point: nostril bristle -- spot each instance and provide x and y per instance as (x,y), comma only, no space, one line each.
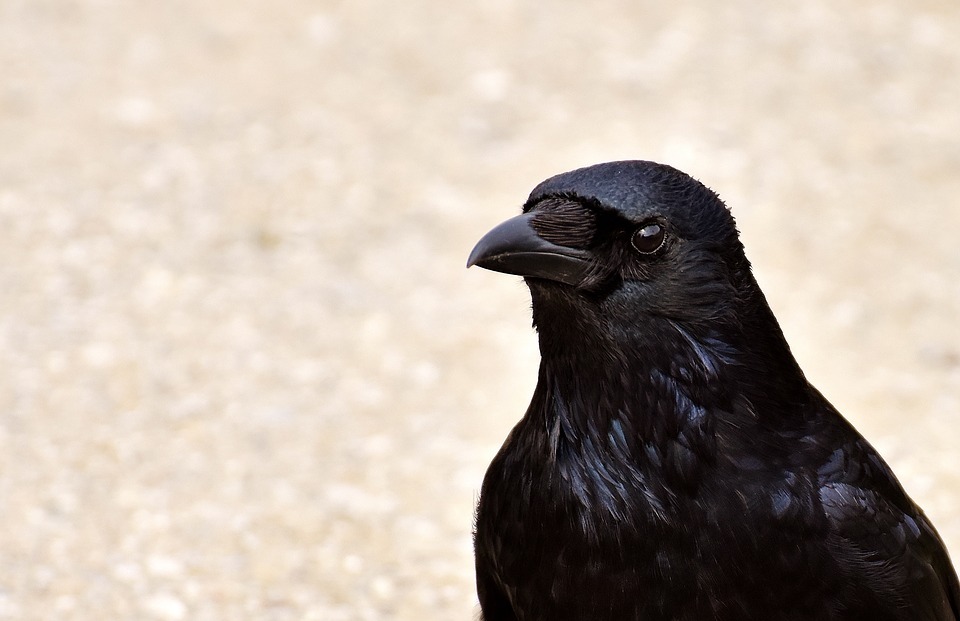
(565,222)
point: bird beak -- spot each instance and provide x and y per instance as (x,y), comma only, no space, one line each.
(514,247)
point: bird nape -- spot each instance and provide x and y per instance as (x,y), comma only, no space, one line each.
(674,463)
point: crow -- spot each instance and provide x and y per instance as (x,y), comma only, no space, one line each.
(674,462)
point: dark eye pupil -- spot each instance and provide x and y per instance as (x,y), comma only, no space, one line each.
(648,239)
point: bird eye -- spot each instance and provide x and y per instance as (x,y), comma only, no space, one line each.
(648,239)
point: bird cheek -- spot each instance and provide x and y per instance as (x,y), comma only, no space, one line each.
(600,282)
(637,271)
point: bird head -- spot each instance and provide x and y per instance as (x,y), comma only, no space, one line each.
(619,247)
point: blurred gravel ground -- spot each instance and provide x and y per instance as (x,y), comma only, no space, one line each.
(245,375)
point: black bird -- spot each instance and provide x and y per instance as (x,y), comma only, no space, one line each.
(674,463)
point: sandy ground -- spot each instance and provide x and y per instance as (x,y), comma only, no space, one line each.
(244,372)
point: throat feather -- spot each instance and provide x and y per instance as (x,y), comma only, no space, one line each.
(629,455)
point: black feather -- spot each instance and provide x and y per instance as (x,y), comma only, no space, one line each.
(674,463)
(565,222)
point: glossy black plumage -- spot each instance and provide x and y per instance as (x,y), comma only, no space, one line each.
(674,463)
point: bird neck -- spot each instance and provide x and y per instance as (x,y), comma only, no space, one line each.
(611,444)
(654,398)
(653,385)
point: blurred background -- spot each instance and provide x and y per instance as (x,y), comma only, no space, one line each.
(245,374)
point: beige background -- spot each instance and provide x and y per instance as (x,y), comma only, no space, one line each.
(244,373)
